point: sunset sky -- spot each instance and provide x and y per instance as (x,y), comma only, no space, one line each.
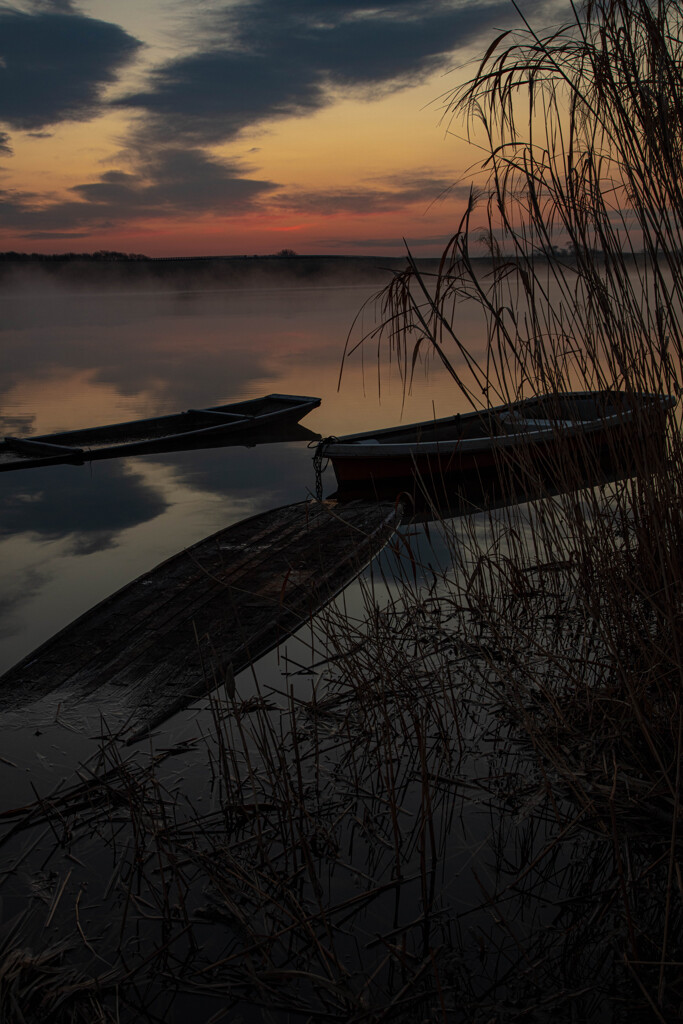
(210,127)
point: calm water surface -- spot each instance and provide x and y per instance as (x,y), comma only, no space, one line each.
(71,535)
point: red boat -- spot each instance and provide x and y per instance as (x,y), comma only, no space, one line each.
(482,442)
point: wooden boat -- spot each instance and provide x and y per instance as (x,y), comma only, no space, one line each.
(442,451)
(248,422)
(186,627)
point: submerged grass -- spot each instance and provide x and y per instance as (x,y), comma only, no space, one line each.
(582,290)
(465,804)
(415,826)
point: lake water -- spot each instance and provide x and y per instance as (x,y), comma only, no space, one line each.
(71,358)
(69,536)
(72,535)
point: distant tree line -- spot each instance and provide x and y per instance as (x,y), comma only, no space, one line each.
(102,255)
(105,256)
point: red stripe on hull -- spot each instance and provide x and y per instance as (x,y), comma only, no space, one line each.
(363,468)
(403,467)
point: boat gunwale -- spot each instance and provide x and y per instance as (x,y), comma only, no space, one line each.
(242,422)
(361,446)
(292,402)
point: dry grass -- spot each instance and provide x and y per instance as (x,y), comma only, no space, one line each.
(465,805)
(379,840)
(582,602)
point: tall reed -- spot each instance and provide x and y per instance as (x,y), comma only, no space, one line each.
(577,272)
(465,805)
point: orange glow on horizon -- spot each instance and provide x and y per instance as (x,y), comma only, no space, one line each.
(353,155)
(334,234)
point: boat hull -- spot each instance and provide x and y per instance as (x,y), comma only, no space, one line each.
(382,462)
(187,626)
(260,420)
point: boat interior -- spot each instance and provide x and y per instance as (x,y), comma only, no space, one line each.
(160,427)
(546,411)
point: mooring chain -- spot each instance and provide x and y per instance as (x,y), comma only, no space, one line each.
(318,457)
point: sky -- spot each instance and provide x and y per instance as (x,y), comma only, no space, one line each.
(237,127)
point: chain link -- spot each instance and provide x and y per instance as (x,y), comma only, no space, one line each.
(318,458)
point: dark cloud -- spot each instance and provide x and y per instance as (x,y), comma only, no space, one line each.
(253,62)
(276,60)
(20,590)
(391,242)
(175,178)
(397,191)
(169,181)
(210,97)
(27,214)
(4,143)
(37,236)
(187,180)
(69,505)
(53,64)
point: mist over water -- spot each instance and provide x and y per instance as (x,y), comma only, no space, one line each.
(87,345)
(74,357)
